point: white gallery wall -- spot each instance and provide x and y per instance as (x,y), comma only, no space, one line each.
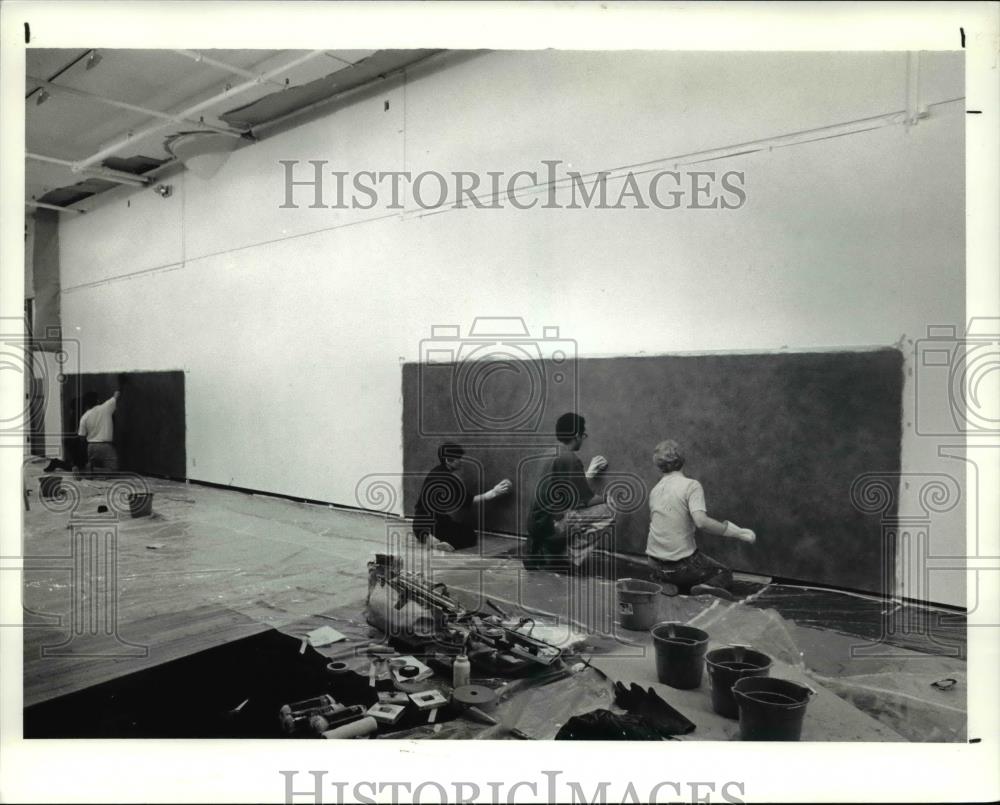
(291,324)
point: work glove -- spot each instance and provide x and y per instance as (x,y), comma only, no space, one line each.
(500,489)
(655,711)
(597,465)
(742,534)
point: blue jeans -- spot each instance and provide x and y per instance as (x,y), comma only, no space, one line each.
(698,568)
(102,455)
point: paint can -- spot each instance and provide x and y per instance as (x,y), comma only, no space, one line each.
(771,709)
(140,504)
(680,654)
(638,603)
(725,666)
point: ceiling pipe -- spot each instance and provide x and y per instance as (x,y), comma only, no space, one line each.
(44,206)
(121,177)
(229,68)
(133,137)
(142,110)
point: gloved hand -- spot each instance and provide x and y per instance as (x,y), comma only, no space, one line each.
(742,534)
(597,465)
(659,714)
(500,489)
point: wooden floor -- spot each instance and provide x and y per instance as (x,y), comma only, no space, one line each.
(82,663)
(210,565)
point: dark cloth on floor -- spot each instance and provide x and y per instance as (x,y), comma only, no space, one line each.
(603,725)
(443,496)
(563,487)
(698,568)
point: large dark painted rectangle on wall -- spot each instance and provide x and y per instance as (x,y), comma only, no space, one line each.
(776,440)
(149,421)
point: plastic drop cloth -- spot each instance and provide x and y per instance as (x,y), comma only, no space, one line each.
(919,706)
(762,629)
(903,695)
(538,711)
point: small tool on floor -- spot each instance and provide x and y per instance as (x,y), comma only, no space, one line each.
(320,724)
(474,700)
(235,711)
(361,728)
(386,713)
(429,700)
(296,716)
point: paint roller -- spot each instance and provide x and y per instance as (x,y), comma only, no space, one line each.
(361,728)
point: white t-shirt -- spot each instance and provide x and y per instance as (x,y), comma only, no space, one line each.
(671,526)
(97,425)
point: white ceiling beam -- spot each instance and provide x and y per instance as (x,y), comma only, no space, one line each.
(229,68)
(121,177)
(142,110)
(152,128)
(45,206)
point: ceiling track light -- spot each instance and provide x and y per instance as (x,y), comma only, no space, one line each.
(93,60)
(41,97)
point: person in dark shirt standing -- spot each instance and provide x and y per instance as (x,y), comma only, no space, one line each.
(563,490)
(444,495)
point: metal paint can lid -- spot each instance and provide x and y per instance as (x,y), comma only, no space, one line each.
(475,696)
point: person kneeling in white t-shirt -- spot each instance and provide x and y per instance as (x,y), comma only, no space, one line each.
(677,509)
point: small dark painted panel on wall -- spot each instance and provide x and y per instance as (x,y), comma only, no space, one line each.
(149,421)
(775,439)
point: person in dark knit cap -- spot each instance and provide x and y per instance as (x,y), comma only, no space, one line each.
(443,497)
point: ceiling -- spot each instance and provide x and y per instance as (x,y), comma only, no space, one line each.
(80,144)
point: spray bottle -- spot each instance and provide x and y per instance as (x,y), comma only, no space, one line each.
(461,668)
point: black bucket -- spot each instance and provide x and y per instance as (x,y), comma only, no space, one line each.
(50,487)
(771,709)
(680,654)
(725,666)
(140,504)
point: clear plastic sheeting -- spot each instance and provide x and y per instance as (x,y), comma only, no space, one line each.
(528,709)
(762,629)
(924,628)
(921,707)
(923,697)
